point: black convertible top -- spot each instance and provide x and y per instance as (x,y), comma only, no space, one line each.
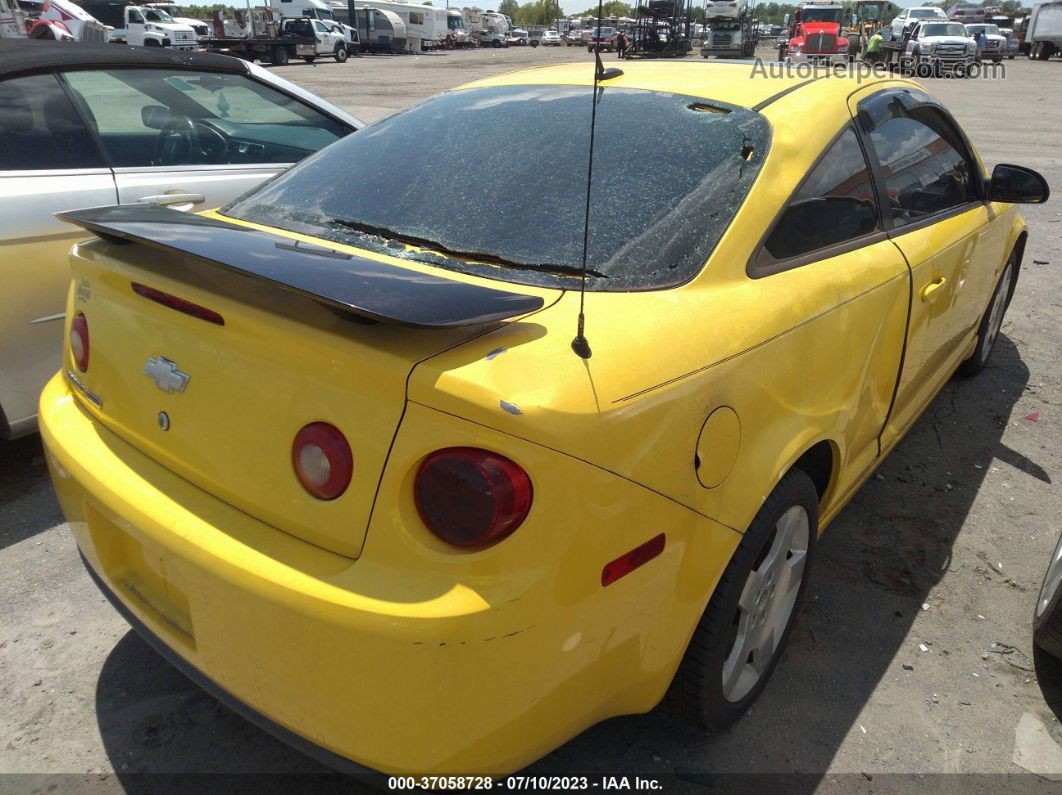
(26,55)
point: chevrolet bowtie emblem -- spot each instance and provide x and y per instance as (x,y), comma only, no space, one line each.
(165,374)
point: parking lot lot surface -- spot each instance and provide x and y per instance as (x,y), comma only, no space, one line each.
(913,653)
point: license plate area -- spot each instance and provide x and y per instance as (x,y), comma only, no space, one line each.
(139,572)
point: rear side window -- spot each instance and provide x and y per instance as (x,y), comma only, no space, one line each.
(497,176)
(926,165)
(834,205)
(40,128)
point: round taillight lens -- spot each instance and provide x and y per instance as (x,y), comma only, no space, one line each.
(79,341)
(471,497)
(322,460)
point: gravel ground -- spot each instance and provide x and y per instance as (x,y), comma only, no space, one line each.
(944,549)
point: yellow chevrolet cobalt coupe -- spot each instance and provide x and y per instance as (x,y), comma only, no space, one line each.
(332,451)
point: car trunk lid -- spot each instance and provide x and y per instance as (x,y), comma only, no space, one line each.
(217,396)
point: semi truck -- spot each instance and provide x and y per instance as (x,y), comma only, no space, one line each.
(1043,36)
(816,35)
(56,20)
(729,38)
(201,28)
(142,26)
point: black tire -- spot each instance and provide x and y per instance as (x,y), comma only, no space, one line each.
(986,340)
(153,43)
(280,56)
(1047,624)
(341,54)
(697,694)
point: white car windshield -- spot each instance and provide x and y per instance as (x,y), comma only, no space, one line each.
(944,30)
(156,15)
(990,30)
(925,13)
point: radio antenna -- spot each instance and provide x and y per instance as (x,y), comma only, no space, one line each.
(580,344)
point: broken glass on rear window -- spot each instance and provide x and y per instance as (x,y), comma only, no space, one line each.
(492,181)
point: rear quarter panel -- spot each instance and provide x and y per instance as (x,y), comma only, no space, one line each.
(803,356)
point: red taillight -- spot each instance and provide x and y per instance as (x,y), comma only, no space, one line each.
(470,497)
(628,562)
(322,460)
(180,304)
(79,341)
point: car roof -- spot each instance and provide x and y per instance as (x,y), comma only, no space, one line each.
(25,55)
(734,83)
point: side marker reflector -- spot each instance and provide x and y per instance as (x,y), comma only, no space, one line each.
(628,562)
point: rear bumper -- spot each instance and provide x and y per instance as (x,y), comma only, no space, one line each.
(248,713)
(404,665)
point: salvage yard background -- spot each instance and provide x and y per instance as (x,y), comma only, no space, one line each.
(914,650)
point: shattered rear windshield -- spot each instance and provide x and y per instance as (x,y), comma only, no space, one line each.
(492,182)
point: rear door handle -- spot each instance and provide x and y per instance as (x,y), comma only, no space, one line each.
(932,290)
(173,198)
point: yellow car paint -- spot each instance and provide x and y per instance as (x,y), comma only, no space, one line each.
(418,657)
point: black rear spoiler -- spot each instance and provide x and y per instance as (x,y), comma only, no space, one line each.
(347,282)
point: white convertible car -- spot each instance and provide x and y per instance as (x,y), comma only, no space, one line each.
(84,126)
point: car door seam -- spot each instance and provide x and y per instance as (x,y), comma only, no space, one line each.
(903,349)
(760,344)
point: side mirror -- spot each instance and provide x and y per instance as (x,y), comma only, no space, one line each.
(1017,185)
(155,117)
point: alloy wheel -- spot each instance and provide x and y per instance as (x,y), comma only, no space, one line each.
(766,604)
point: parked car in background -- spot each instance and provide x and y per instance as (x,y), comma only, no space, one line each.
(940,47)
(967,13)
(995,43)
(603,39)
(328,442)
(551,38)
(904,22)
(1047,619)
(83,125)
(1013,46)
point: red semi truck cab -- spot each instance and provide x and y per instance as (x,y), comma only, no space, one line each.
(816,33)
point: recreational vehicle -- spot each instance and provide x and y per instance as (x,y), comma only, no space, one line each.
(458,33)
(426,26)
(490,28)
(378,30)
